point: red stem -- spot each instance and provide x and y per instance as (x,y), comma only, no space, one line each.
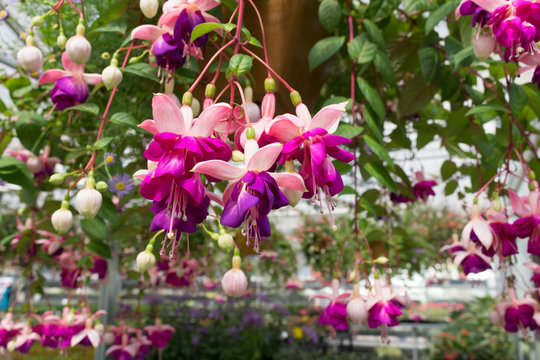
(262,33)
(208,65)
(269,68)
(76,8)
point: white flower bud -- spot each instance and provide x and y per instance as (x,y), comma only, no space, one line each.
(78,47)
(145,259)
(196,107)
(30,58)
(108,338)
(62,219)
(70,317)
(34,164)
(253,111)
(149,8)
(237,156)
(11,346)
(112,77)
(225,241)
(57,179)
(61,41)
(356,310)
(234,282)
(99,328)
(88,200)
(484,46)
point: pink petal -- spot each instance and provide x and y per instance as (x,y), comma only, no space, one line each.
(168,19)
(167,115)
(282,129)
(205,5)
(289,181)
(320,296)
(519,207)
(489,5)
(483,232)
(69,65)
(92,79)
(466,233)
(228,191)
(206,122)
(344,297)
(303,114)
(533,201)
(187,113)
(219,169)
(77,338)
(94,338)
(460,257)
(215,198)
(146,32)
(210,18)
(141,174)
(265,157)
(328,117)
(149,125)
(52,75)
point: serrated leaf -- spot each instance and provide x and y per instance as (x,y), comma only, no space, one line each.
(86,107)
(485,108)
(143,70)
(329,14)
(361,50)
(323,50)
(239,64)
(102,143)
(372,97)
(438,15)
(349,131)
(207,27)
(378,150)
(380,173)
(430,63)
(518,98)
(125,119)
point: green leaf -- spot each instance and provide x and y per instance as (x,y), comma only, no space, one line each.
(463,57)
(375,33)
(143,70)
(448,169)
(438,15)
(372,97)
(30,128)
(361,50)
(207,27)
(102,143)
(99,248)
(372,124)
(15,172)
(86,107)
(518,98)
(418,5)
(451,84)
(415,95)
(323,50)
(7,239)
(349,131)
(329,14)
(379,150)
(384,67)
(114,27)
(95,228)
(253,41)
(451,186)
(430,62)
(380,173)
(485,108)
(239,64)
(125,119)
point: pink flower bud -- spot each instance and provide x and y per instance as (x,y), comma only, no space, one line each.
(62,219)
(234,282)
(484,46)
(30,58)
(207,103)
(268,106)
(88,202)
(149,8)
(108,338)
(78,48)
(356,310)
(253,111)
(34,164)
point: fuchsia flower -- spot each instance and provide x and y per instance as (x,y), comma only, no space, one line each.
(88,335)
(159,334)
(335,314)
(528,225)
(25,339)
(504,233)
(423,188)
(471,259)
(8,329)
(123,351)
(310,141)
(518,314)
(252,192)
(179,195)
(70,88)
(477,227)
(384,307)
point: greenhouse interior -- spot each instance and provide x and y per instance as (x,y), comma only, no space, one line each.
(269,179)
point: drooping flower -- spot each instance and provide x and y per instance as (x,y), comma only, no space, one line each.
(519,314)
(335,314)
(252,192)
(423,188)
(528,224)
(479,15)
(504,233)
(383,307)
(70,88)
(479,227)
(25,339)
(159,334)
(120,184)
(311,141)
(471,259)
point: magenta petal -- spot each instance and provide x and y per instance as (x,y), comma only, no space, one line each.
(235,211)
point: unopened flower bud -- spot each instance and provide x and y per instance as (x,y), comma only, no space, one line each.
(237,156)
(112,76)
(187,98)
(145,259)
(210,91)
(78,47)
(250,133)
(11,346)
(496,204)
(61,41)
(356,310)
(381,260)
(62,219)
(269,84)
(484,46)
(30,57)
(196,107)
(37,20)
(57,179)
(108,338)
(295,98)
(88,200)
(234,282)
(99,328)
(253,112)
(70,317)
(225,241)
(101,186)
(34,164)
(149,8)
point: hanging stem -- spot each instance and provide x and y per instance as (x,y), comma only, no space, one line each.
(290,88)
